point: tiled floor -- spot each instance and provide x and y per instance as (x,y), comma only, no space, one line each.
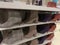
(56,39)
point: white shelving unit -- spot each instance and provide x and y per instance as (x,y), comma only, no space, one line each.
(12,5)
(26,25)
(45,42)
(19,6)
(29,39)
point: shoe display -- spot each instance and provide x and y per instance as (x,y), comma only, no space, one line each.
(43,28)
(14,17)
(30,31)
(32,22)
(13,36)
(42,16)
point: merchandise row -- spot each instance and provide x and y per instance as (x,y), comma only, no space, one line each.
(9,18)
(11,36)
(49,3)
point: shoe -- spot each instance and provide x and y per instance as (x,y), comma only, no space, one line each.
(52,28)
(50,37)
(34,42)
(42,16)
(42,39)
(13,36)
(30,31)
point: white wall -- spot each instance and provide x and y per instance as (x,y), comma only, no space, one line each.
(56,39)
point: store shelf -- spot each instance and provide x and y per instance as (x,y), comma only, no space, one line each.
(25,25)
(12,5)
(28,39)
(21,6)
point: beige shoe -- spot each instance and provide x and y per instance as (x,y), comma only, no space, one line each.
(13,36)
(32,32)
(14,18)
(34,42)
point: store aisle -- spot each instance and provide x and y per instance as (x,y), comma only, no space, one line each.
(56,39)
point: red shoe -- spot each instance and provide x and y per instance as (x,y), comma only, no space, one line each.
(49,37)
(51,4)
(56,17)
(52,29)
